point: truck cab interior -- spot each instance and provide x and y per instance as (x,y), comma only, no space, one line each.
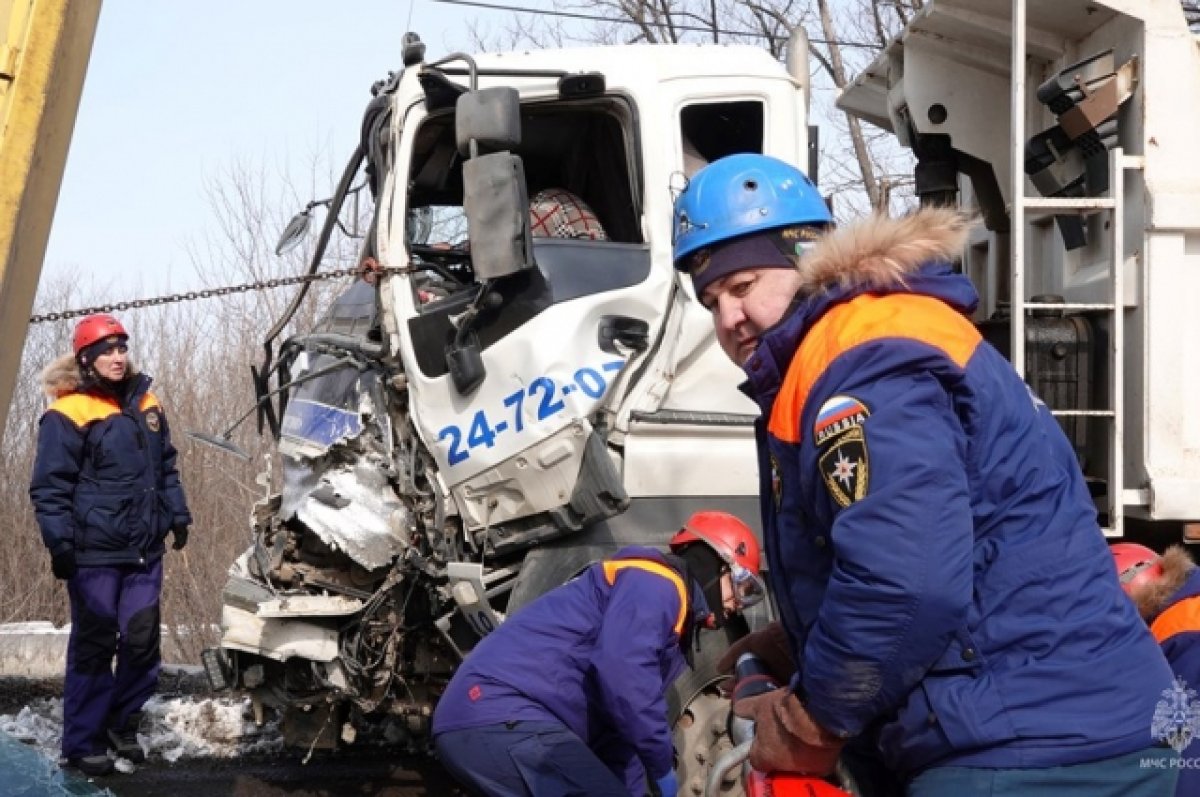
(588,149)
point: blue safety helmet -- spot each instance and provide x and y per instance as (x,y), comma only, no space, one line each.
(739,195)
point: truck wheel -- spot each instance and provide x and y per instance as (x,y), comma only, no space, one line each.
(699,715)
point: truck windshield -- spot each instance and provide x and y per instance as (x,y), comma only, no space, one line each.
(325,410)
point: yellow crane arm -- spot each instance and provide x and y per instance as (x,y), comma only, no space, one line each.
(44,50)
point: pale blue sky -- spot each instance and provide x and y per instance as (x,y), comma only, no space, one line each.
(179,90)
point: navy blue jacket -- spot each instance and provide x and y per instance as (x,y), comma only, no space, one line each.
(935,552)
(104,480)
(596,654)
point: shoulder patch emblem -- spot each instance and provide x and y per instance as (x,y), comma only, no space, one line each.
(845,467)
(837,415)
(152,421)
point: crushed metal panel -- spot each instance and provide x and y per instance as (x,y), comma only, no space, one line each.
(354,509)
(309,606)
(275,638)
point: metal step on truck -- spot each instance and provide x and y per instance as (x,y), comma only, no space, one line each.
(520,385)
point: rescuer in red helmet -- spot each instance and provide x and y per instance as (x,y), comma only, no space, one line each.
(726,563)
(106,493)
(1166,591)
(1138,566)
(102,329)
(568,695)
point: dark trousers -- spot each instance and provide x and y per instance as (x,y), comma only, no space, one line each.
(861,763)
(1147,773)
(114,612)
(526,759)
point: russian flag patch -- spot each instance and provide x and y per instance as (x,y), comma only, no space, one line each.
(837,415)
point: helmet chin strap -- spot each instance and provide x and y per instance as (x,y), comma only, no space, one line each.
(706,567)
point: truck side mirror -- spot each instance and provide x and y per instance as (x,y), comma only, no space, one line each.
(495,199)
(491,118)
(295,231)
(465,363)
(496,204)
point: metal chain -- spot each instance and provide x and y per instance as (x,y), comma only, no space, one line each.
(209,293)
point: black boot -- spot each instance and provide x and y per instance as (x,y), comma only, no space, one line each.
(93,765)
(123,740)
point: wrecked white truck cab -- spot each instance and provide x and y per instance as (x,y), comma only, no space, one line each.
(513,394)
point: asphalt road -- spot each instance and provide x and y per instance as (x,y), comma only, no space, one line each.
(374,772)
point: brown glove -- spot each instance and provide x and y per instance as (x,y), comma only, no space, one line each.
(786,738)
(771,645)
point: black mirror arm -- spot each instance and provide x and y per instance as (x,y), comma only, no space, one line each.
(485,299)
(223,440)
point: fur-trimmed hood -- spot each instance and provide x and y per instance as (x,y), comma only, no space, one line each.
(881,252)
(913,254)
(1177,565)
(63,376)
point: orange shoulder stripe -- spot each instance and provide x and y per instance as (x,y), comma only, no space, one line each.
(83,409)
(864,319)
(1183,616)
(611,569)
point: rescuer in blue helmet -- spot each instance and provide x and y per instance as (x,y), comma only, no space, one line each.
(746,208)
(944,589)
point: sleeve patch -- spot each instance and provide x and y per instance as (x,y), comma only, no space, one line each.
(837,415)
(845,467)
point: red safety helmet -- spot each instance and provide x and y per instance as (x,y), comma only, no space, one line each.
(1137,565)
(96,327)
(734,542)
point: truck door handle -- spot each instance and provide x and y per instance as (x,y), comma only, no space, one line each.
(632,333)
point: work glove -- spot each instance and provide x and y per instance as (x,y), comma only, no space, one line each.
(668,784)
(786,737)
(770,644)
(63,564)
(181,537)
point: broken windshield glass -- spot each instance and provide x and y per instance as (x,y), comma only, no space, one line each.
(326,410)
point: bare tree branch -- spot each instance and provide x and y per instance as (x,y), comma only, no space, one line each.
(822,60)
(841,81)
(773,22)
(665,18)
(877,17)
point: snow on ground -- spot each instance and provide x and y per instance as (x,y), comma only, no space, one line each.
(179,724)
(173,728)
